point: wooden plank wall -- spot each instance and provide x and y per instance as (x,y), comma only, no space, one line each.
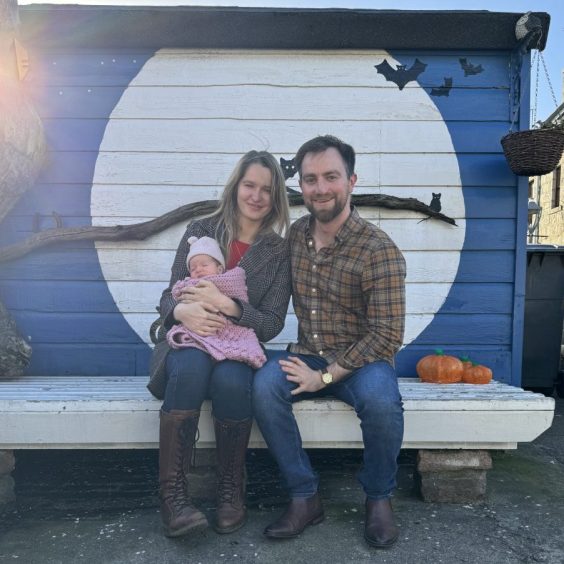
(135,134)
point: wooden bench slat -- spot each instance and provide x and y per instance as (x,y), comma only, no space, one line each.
(119,412)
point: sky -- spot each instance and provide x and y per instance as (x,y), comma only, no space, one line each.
(553,54)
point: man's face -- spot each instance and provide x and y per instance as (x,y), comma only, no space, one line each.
(325,185)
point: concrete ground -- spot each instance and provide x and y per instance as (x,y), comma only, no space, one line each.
(101,506)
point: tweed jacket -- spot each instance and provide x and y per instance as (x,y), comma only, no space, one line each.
(267,266)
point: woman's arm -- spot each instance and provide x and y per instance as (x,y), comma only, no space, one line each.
(269,294)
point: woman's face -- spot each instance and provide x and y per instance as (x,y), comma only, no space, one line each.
(254,198)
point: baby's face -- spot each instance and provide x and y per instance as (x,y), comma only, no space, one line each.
(204,265)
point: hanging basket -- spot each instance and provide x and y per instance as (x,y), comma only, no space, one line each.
(533,152)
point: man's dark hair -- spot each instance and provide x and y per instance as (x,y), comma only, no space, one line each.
(322,143)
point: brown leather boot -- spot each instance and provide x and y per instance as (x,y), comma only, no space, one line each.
(232,439)
(176,442)
(380,528)
(300,513)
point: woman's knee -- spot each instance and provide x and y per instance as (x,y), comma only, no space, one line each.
(230,390)
(188,373)
(231,378)
(270,382)
(186,362)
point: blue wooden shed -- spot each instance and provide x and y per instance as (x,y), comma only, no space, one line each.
(147,109)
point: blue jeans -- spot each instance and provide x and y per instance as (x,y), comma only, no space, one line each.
(193,376)
(371,390)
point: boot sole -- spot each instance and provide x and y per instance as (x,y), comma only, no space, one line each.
(232,529)
(377,544)
(198,526)
(314,521)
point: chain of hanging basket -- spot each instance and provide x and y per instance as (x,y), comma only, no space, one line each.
(537,151)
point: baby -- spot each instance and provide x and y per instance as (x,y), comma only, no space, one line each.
(233,342)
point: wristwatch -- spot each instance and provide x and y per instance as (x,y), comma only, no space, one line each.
(326,377)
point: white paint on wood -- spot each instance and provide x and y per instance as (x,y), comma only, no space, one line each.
(401,138)
(119,412)
(208,169)
(190,135)
(228,68)
(259,101)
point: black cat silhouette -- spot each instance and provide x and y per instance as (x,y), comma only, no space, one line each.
(435,204)
(288,167)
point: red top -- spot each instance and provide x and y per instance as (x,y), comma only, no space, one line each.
(236,252)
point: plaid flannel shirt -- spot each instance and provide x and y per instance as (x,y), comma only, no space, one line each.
(349,298)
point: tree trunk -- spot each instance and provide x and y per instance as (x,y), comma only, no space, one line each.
(22,149)
(14,351)
(22,141)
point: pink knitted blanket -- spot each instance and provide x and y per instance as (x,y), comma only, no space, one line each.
(233,342)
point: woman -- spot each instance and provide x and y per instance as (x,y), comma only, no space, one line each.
(253,211)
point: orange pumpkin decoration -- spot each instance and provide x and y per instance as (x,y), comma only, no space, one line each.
(466,362)
(477,374)
(440,368)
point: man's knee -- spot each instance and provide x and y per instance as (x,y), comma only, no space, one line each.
(376,388)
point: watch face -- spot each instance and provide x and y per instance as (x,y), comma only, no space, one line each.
(327,378)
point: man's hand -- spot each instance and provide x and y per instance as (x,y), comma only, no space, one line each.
(199,317)
(297,371)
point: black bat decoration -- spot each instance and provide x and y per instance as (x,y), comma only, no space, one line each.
(470,69)
(401,75)
(443,90)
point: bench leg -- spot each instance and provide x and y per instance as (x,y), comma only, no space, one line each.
(7,465)
(453,476)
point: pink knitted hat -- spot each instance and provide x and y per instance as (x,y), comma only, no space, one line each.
(204,246)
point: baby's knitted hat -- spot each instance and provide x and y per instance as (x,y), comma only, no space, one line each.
(204,246)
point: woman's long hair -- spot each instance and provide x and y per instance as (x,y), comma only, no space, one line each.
(278,220)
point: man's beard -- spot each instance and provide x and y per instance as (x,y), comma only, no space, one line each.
(328,214)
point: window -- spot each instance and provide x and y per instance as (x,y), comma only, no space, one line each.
(556,177)
(531,184)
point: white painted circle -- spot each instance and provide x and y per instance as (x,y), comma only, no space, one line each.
(181,125)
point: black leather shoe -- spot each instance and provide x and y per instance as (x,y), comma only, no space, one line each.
(300,513)
(380,529)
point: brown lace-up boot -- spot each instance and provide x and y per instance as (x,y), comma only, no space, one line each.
(176,443)
(232,439)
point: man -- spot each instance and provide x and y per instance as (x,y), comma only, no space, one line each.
(349,298)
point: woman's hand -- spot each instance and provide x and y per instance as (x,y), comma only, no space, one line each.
(206,292)
(297,371)
(199,317)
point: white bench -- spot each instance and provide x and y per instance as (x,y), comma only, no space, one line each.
(119,412)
